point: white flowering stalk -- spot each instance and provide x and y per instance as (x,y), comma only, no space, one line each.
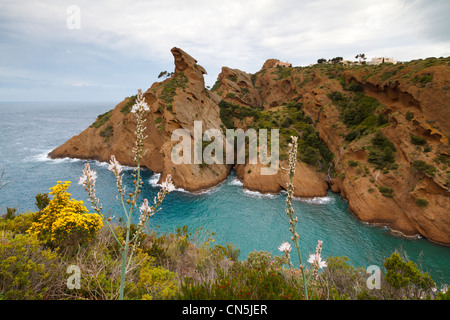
(290,210)
(146,210)
(139,109)
(115,167)
(130,204)
(290,188)
(88,179)
(286,248)
(316,260)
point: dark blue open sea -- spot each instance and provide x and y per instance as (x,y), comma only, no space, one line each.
(248,220)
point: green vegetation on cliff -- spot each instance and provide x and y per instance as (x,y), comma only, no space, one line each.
(291,120)
(102,119)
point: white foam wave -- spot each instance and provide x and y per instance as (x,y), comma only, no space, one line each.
(105,164)
(316,200)
(153,181)
(43,157)
(256,194)
(235,182)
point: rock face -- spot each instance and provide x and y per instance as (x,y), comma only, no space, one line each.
(307,182)
(417,201)
(174,103)
(410,196)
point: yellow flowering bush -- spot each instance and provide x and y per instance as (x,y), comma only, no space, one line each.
(157,283)
(65,220)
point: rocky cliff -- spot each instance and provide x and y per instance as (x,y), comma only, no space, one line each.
(175,103)
(378,135)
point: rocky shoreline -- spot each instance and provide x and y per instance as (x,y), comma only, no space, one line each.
(178,101)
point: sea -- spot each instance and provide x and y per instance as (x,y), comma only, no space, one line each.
(227,212)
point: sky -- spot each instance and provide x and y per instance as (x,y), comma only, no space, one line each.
(105,50)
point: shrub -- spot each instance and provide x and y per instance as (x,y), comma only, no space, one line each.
(232,252)
(230,110)
(262,260)
(229,251)
(386,191)
(100,265)
(127,107)
(158,120)
(352,86)
(423,79)
(381,153)
(409,115)
(405,277)
(243,283)
(10,213)
(337,97)
(102,119)
(157,283)
(294,105)
(65,221)
(42,200)
(424,167)
(358,109)
(20,223)
(107,132)
(421,202)
(352,163)
(169,90)
(232,78)
(286,123)
(310,155)
(216,85)
(340,280)
(283,72)
(418,140)
(352,135)
(26,270)
(382,120)
(444,295)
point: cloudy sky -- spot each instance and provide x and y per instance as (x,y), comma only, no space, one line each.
(105,50)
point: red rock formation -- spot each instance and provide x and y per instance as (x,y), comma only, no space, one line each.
(178,101)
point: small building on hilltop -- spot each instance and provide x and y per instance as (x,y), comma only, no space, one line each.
(283,64)
(380,60)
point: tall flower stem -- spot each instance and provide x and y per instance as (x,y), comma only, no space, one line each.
(139,110)
(129,206)
(290,210)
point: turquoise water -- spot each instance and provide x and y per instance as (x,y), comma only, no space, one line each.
(248,220)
